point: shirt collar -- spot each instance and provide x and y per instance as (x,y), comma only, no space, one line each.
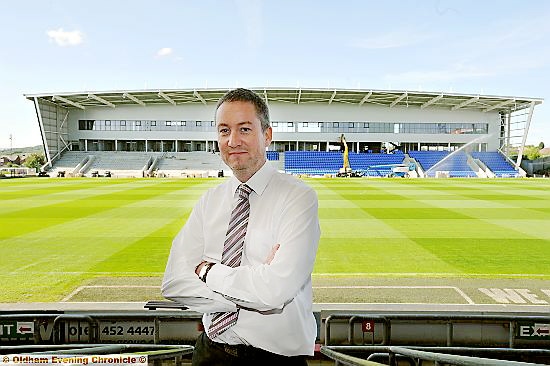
(258,182)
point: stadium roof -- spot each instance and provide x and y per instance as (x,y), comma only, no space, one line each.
(361,97)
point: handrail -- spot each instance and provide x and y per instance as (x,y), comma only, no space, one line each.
(109,315)
(99,348)
(177,352)
(341,358)
(338,354)
(51,160)
(159,304)
(455,359)
(91,350)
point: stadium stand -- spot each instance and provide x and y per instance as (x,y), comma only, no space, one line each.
(315,163)
(321,162)
(69,161)
(497,163)
(455,163)
(312,162)
(109,160)
(375,165)
(196,163)
(119,163)
(142,164)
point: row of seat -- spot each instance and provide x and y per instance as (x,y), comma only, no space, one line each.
(307,162)
(326,162)
(272,155)
(497,163)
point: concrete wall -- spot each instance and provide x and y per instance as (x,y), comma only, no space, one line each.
(285,112)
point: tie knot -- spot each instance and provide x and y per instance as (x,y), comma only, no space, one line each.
(244,191)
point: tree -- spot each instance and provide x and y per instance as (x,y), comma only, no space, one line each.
(35,161)
(541,145)
(531,152)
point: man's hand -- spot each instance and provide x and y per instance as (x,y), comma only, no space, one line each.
(272,254)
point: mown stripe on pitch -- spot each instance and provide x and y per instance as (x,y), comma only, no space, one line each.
(23,222)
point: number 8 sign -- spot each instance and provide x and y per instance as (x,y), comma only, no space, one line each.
(367,326)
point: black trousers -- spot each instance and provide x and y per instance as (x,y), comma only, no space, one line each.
(209,353)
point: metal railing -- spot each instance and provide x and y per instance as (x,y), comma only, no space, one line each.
(437,355)
(343,359)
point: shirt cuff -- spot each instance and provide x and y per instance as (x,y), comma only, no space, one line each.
(216,276)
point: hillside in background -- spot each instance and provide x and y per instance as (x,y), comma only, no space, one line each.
(22,150)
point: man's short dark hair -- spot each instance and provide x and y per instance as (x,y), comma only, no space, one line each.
(246,95)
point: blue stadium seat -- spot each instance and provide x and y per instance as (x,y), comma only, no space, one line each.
(497,163)
(273,155)
(455,163)
(328,162)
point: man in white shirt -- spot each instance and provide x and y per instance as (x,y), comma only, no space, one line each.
(245,255)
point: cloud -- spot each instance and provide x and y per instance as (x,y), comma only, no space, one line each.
(395,39)
(165,51)
(65,38)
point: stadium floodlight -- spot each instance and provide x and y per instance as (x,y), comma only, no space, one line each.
(365,98)
(499,105)
(134,99)
(65,100)
(101,100)
(332,97)
(400,98)
(166,97)
(199,97)
(465,103)
(431,101)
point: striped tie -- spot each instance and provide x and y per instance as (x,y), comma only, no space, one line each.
(232,253)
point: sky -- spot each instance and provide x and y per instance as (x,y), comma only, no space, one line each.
(485,47)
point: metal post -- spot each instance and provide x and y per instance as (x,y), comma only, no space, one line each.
(449,334)
(508,132)
(525,132)
(512,334)
(392,359)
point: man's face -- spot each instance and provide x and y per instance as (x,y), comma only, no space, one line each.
(241,139)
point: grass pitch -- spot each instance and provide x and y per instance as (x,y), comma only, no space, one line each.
(58,236)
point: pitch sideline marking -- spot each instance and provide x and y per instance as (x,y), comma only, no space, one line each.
(341,274)
(428,274)
(33,264)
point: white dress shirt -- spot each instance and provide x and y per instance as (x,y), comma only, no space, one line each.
(275,300)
